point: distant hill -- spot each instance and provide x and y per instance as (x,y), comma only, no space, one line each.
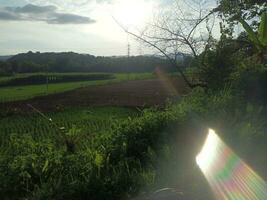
(74,62)
(4,58)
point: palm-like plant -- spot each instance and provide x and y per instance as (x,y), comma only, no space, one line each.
(259,38)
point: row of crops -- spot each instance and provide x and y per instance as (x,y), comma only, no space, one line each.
(54,78)
(57,83)
(98,157)
(89,121)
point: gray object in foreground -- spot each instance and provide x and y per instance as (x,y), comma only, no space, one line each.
(162,194)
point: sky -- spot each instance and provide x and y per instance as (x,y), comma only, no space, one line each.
(83,26)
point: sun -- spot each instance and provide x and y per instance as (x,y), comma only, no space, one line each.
(132,12)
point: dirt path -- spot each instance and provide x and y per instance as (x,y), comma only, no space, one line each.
(151,92)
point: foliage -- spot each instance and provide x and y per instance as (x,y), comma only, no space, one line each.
(218,66)
(73,62)
(232,11)
(260,39)
(232,61)
(248,9)
(249,80)
(263,29)
(5,68)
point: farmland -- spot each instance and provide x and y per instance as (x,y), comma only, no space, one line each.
(91,144)
(90,120)
(13,93)
(86,122)
(133,133)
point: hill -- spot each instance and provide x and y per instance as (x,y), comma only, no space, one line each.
(74,62)
(4,58)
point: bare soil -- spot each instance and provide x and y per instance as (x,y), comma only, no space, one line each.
(138,93)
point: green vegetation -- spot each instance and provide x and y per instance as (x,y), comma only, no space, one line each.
(43,79)
(259,40)
(121,156)
(74,62)
(93,119)
(12,93)
(118,153)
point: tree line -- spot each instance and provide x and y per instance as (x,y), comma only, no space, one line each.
(195,32)
(74,62)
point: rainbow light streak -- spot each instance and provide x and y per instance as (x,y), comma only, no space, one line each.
(229,177)
(166,82)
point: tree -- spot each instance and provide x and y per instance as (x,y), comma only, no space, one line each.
(182,28)
(73,62)
(231,11)
(5,68)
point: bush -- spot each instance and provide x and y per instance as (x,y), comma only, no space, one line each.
(250,81)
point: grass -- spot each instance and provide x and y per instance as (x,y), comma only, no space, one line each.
(26,92)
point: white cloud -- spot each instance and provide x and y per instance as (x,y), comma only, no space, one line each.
(47,14)
(104,37)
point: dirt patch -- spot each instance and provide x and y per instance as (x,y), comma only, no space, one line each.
(139,93)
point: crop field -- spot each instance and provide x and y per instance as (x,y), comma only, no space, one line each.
(135,93)
(95,133)
(88,120)
(100,147)
(26,91)
(43,79)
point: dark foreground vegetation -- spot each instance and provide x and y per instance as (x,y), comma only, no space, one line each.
(153,148)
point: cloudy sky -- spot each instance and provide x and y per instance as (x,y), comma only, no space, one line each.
(84,26)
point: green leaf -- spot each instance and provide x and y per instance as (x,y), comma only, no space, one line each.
(45,166)
(263,29)
(98,160)
(251,34)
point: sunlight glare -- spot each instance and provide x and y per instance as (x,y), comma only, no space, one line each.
(205,157)
(229,177)
(132,13)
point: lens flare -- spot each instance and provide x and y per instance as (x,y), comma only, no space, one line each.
(166,81)
(229,177)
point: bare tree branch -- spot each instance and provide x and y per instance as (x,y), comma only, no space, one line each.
(179,30)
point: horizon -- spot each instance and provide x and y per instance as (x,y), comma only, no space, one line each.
(80,26)
(83,26)
(58,52)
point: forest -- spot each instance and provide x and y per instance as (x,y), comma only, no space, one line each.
(74,62)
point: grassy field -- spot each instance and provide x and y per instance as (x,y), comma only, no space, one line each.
(14,93)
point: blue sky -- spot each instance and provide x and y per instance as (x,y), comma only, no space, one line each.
(84,26)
